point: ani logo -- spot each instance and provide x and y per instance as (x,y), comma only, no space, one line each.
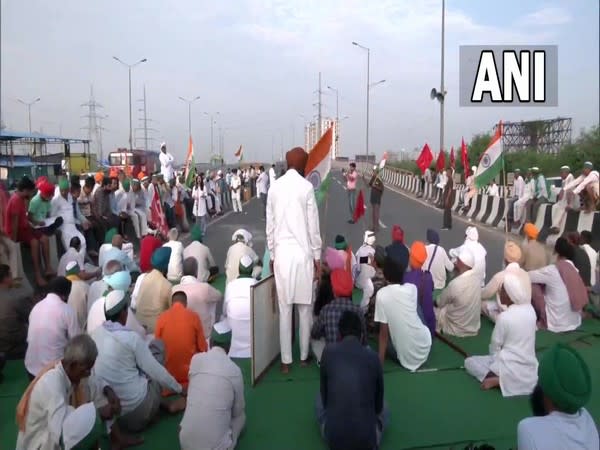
(315,178)
(485,161)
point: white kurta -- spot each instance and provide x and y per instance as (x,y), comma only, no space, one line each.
(559,209)
(203,256)
(582,181)
(49,406)
(175,270)
(519,206)
(512,352)
(440,265)
(559,315)
(459,306)
(61,207)
(70,255)
(593,256)
(78,301)
(199,196)
(166,165)
(293,236)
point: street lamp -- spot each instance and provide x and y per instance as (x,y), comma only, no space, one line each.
(372,85)
(189,103)
(441,94)
(129,67)
(29,104)
(368,88)
(212,122)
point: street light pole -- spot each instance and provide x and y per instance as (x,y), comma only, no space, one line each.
(442,80)
(337,119)
(129,67)
(29,105)
(368,88)
(189,103)
(212,123)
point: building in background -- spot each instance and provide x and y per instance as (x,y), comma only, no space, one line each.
(311,135)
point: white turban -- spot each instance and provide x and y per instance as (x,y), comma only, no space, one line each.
(369,238)
(467,258)
(474,169)
(163,144)
(472,234)
(515,290)
(247,236)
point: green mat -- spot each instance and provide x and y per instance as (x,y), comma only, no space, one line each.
(479,345)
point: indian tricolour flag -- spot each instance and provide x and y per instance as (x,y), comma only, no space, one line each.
(190,165)
(491,161)
(239,154)
(319,165)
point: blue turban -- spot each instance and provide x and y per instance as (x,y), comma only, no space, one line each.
(433,236)
(160,258)
(119,281)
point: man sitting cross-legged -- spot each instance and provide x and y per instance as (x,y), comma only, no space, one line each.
(512,364)
(402,333)
(154,295)
(350,407)
(459,306)
(133,368)
(214,415)
(181,331)
(325,330)
(202,254)
(48,402)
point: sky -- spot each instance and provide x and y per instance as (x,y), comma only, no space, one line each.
(257,63)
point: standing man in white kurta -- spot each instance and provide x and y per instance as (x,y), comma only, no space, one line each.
(166,163)
(294,242)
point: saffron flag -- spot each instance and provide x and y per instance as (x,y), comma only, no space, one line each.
(464,157)
(319,164)
(452,160)
(190,165)
(359,209)
(239,154)
(441,161)
(491,161)
(425,158)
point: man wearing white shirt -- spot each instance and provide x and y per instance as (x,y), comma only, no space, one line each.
(517,193)
(65,206)
(586,245)
(564,200)
(166,163)
(437,261)
(242,245)
(459,307)
(272,175)
(540,194)
(52,322)
(479,252)
(294,243)
(236,308)
(202,298)
(520,210)
(471,189)
(587,185)
(133,369)
(262,187)
(512,364)
(175,270)
(493,190)
(137,209)
(236,191)
(206,265)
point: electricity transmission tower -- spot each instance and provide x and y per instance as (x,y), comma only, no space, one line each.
(94,126)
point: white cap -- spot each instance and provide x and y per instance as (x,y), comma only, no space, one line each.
(472,234)
(163,144)
(244,233)
(78,424)
(466,256)
(219,172)
(369,238)
(588,164)
(474,169)
(565,168)
(535,169)
(114,302)
(246,261)
(71,265)
(374,167)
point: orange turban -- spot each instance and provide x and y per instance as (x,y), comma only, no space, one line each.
(418,255)
(141,176)
(99,177)
(296,158)
(113,173)
(531,231)
(341,283)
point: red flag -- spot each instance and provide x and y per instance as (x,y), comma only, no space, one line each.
(441,161)
(464,157)
(425,158)
(359,209)
(452,160)
(157,215)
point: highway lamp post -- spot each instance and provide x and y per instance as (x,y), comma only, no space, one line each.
(212,123)
(189,103)
(129,67)
(29,105)
(441,94)
(368,50)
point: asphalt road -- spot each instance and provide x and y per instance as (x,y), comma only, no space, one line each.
(413,215)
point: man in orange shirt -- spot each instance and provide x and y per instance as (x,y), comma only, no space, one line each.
(181,331)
